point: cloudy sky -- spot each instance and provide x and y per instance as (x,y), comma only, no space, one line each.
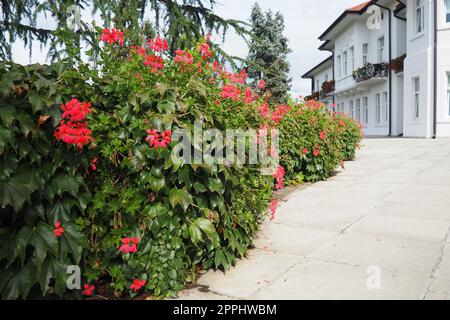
(305,21)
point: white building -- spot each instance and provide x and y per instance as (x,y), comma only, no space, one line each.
(390,67)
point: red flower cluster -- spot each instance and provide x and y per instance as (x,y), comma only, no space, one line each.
(261,85)
(73,126)
(249,95)
(279,175)
(58,231)
(137,284)
(204,50)
(323,135)
(264,109)
(129,245)
(158,44)
(305,151)
(279,113)
(184,57)
(230,91)
(157,140)
(111,36)
(156,63)
(88,289)
(316,151)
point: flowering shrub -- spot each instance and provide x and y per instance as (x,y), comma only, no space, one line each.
(87,158)
(42,190)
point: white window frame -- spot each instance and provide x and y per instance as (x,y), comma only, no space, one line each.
(378,108)
(419,16)
(365,54)
(339,66)
(366,109)
(416,97)
(386,106)
(351,109)
(352,58)
(381,46)
(345,56)
(358,109)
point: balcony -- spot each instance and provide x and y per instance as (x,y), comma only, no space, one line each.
(371,71)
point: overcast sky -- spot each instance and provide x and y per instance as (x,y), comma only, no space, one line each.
(305,21)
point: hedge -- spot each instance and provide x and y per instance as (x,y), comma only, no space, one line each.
(88,179)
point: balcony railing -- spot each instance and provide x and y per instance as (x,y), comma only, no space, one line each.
(370,70)
(314,96)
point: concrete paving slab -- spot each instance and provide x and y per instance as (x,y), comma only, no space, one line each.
(391,254)
(328,280)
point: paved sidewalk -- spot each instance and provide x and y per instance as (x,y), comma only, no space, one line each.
(386,214)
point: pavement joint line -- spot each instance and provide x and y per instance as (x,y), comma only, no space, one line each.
(436,266)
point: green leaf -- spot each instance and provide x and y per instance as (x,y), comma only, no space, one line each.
(195,233)
(36,101)
(20,284)
(207,226)
(180,197)
(156,184)
(8,115)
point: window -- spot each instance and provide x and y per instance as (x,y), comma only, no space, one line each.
(378,108)
(352,57)
(342,107)
(326,77)
(351,109)
(386,107)
(339,67)
(381,49)
(420,16)
(345,63)
(317,85)
(366,109)
(447,11)
(416,97)
(358,109)
(365,53)
(448,93)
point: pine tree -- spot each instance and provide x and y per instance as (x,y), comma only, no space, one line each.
(182,22)
(268,52)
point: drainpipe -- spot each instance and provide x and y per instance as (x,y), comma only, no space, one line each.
(390,71)
(435,70)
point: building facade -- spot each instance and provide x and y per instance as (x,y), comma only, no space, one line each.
(390,67)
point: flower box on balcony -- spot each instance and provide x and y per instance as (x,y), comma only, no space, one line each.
(314,96)
(397,64)
(328,86)
(371,70)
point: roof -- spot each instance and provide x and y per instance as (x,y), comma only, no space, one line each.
(307,74)
(358,9)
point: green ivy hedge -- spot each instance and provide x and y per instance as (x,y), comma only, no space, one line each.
(40,184)
(184,217)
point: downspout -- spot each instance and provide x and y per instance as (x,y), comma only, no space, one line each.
(390,71)
(435,70)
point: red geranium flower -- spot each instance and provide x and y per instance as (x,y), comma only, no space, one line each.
(58,231)
(261,84)
(230,92)
(323,135)
(137,284)
(273,208)
(111,36)
(158,44)
(184,57)
(88,289)
(156,63)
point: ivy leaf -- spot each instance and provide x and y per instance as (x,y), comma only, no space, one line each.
(180,197)
(207,226)
(156,184)
(36,101)
(52,269)
(20,284)
(8,115)
(195,233)
(6,137)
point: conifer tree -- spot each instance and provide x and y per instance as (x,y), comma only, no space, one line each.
(267,59)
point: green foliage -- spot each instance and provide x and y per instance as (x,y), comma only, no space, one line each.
(40,183)
(301,131)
